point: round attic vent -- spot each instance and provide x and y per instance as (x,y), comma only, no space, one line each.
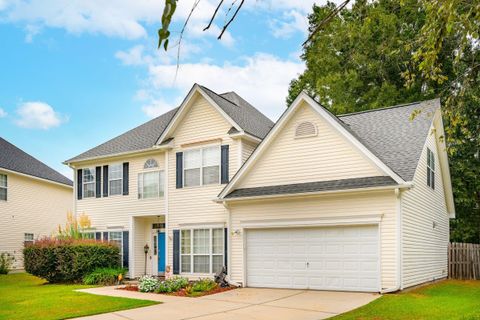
(305,129)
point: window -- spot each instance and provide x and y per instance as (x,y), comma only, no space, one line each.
(88,182)
(430,169)
(28,238)
(117,238)
(3,187)
(201,166)
(150,163)
(201,250)
(88,235)
(150,185)
(115,177)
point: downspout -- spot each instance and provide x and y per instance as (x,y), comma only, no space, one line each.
(398,286)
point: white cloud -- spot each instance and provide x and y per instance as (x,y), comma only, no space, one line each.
(262,80)
(3,113)
(292,21)
(31,31)
(38,115)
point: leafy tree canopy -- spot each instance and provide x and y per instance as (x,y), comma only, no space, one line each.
(386,52)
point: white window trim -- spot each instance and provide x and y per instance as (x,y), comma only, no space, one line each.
(25,237)
(90,182)
(161,186)
(430,155)
(121,242)
(201,166)
(110,179)
(5,187)
(210,253)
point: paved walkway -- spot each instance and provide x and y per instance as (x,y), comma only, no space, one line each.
(241,304)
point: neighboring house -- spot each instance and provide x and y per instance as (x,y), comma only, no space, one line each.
(34,200)
(359,202)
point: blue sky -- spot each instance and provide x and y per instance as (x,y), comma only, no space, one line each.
(74,74)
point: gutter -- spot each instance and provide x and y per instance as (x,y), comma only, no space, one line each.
(246,136)
(153,148)
(305,194)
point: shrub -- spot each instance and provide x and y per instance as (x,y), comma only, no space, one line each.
(147,284)
(68,260)
(104,276)
(204,285)
(6,262)
(172,285)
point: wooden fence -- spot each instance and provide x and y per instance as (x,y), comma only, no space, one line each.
(464,261)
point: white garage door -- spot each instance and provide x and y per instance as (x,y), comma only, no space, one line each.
(327,258)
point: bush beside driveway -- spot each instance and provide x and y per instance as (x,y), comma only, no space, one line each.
(23,296)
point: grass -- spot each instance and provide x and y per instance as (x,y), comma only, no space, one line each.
(23,296)
(450,299)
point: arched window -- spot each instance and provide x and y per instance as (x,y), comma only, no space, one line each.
(150,163)
(305,129)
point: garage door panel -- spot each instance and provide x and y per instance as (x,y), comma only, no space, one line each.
(339,258)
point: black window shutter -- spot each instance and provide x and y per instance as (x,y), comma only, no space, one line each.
(79,183)
(224,164)
(98,236)
(105,236)
(179,170)
(225,253)
(176,251)
(125,178)
(105,181)
(125,249)
(98,182)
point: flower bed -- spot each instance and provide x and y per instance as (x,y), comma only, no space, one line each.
(177,286)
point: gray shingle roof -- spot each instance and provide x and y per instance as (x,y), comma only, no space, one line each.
(390,134)
(146,135)
(243,113)
(311,187)
(142,137)
(14,159)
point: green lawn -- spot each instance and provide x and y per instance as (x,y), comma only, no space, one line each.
(23,296)
(449,299)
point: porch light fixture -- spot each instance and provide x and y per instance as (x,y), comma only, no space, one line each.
(145,249)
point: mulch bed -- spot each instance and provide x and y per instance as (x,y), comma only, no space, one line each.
(182,292)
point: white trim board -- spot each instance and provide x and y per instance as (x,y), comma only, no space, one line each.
(312,222)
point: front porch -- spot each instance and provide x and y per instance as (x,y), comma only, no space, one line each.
(148,234)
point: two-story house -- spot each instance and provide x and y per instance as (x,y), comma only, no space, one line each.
(34,200)
(359,202)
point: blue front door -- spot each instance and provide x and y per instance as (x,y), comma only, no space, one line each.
(161,251)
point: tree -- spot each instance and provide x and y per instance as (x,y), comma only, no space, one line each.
(386,52)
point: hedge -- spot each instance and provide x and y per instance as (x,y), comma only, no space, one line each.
(68,260)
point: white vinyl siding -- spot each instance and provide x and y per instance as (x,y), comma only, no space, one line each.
(425,224)
(3,187)
(151,184)
(202,125)
(203,249)
(88,182)
(115,179)
(326,156)
(201,166)
(33,206)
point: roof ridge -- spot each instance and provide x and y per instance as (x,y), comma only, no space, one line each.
(219,95)
(385,108)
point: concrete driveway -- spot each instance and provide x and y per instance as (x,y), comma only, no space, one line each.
(241,304)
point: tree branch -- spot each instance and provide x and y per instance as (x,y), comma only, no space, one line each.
(214,14)
(231,19)
(326,20)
